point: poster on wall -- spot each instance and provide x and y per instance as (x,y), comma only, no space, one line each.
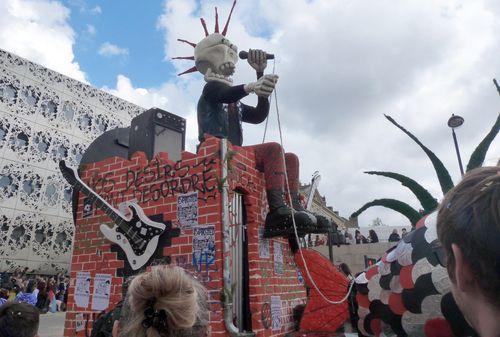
(278,258)
(102,289)
(203,247)
(88,207)
(80,322)
(263,244)
(187,210)
(276,312)
(82,289)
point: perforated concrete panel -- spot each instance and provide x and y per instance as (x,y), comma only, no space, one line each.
(44,117)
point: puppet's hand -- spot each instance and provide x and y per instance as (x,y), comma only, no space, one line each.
(257,59)
(264,85)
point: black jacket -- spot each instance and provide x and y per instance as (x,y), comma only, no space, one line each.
(220,113)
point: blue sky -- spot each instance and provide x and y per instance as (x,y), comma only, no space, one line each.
(128,24)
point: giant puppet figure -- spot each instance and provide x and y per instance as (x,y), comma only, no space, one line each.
(221,114)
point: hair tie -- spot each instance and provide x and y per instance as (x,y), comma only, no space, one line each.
(155,318)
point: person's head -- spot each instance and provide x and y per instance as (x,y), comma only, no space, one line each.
(30,287)
(18,320)
(372,233)
(394,231)
(165,301)
(357,232)
(403,231)
(468,227)
(345,269)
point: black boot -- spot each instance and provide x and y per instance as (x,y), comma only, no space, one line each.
(279,219)
(323,224)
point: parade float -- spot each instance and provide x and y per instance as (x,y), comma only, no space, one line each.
(228,214)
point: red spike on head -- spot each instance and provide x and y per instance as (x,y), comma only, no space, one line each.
(204,24)
(224,31)
(185,41)
(190,70)
(216,21)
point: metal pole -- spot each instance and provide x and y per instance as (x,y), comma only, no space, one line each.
(330,245)
(458,151)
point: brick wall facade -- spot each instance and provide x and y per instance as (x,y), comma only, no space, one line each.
(156,185)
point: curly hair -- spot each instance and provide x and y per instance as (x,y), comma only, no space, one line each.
(469,216)
(169,290)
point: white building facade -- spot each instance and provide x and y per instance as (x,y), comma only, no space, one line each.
(45,117)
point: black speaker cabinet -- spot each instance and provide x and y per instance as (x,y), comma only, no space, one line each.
(155,131)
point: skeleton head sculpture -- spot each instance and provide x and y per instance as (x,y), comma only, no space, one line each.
(215,56)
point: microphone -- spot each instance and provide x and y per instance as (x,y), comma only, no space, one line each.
(244,55)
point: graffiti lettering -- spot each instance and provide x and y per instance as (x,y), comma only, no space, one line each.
(156,181)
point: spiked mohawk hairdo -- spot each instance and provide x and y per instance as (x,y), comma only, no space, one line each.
(204,24)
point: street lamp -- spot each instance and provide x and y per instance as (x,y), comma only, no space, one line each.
(455,122)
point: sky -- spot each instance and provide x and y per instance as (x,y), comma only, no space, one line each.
(342,65)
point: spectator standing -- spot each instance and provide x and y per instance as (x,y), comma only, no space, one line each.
(350,240)
(403,233)
(357,236)
(394,237)
(468,227)
(18,320)
(27,296)
(52,299)
(41,302)
(372,236)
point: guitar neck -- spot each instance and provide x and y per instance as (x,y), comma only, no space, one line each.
(76,182)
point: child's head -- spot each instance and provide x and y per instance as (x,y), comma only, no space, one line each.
(18,320)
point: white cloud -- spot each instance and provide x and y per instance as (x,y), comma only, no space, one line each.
(39,31)
(342,65)
(109,50)
(91,30)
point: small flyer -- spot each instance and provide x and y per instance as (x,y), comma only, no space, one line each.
(203,247)
(263,244)
(276,312)
(82,289)
(187,210)
(88,207)
(102,289)
(278,258)
(80,322)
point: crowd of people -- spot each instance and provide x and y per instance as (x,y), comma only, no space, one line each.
(167,301)
(347,238)
(45,293)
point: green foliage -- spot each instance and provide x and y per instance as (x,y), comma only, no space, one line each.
(396,205)
(477,157)
(428,202)
(441,171)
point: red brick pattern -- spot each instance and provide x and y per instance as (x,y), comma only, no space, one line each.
(155,185)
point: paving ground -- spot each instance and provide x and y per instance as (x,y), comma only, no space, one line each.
(51,325)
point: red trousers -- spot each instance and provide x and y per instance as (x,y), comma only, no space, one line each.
(269,159)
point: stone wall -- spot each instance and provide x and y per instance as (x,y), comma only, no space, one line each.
(354,255)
